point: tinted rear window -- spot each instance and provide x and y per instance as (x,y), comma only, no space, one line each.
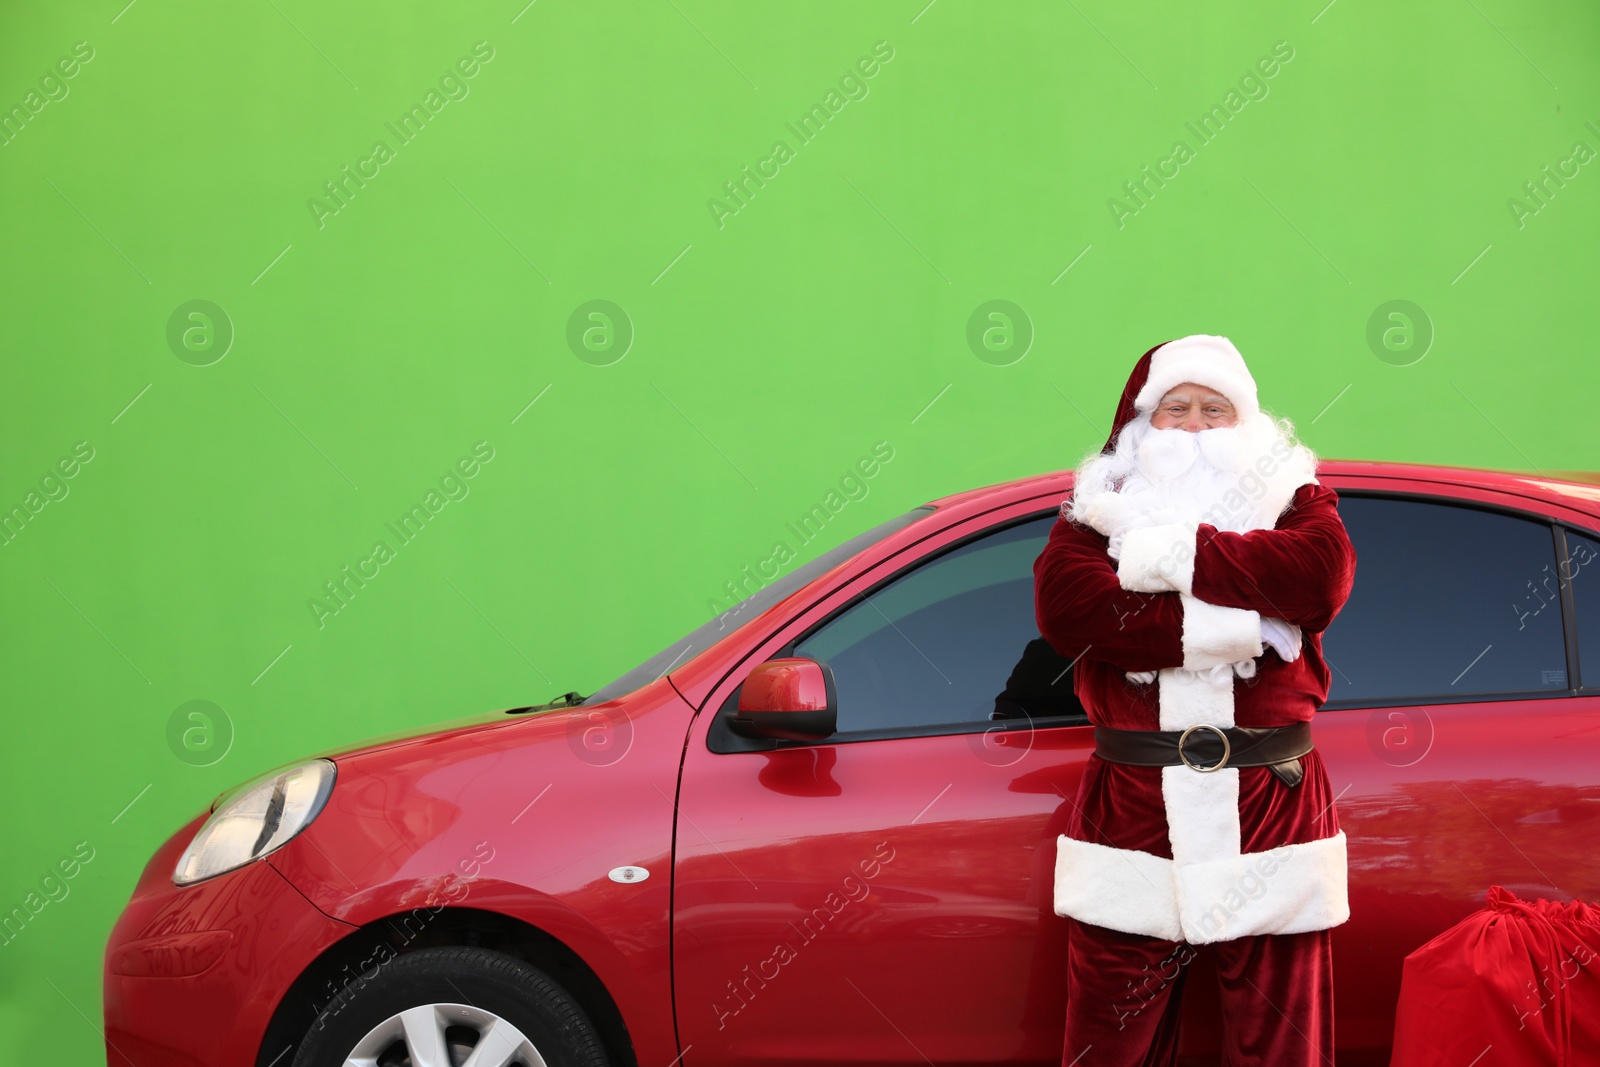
(1449,602)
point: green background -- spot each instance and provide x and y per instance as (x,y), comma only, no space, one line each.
(769,353)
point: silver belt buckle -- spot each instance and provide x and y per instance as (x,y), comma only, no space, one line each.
(1227,748)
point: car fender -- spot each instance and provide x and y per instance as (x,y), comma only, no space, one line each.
(526,822)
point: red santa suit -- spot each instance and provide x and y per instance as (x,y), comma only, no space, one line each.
(1167,615)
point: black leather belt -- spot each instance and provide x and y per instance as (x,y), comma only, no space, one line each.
(1210,748)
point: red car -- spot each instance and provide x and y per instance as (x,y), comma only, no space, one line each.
(820,828)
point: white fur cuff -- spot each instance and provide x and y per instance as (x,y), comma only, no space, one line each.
(1158,558)
(1214,635)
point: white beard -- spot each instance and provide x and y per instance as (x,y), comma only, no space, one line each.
(1154,477)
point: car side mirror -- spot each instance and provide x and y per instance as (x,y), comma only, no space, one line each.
(788,699)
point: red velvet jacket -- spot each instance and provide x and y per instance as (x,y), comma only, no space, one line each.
(1300,571)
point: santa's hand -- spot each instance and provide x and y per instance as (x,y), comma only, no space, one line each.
(1283,637)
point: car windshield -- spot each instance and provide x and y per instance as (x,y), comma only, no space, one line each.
(724,623)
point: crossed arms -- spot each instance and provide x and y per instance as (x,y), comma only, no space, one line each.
(1192,595)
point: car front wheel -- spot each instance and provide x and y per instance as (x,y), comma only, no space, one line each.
(452,1007)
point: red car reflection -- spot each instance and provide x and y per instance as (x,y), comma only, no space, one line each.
(855,866)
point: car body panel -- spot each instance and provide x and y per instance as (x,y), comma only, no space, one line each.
(874,902)
(1441,801)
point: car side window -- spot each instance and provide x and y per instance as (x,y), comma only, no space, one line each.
(951,642)
(1583,571)
(1450,602)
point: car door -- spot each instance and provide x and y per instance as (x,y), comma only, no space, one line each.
(1460,741)
(885,897)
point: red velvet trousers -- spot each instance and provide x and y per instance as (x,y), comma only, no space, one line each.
(1124,993)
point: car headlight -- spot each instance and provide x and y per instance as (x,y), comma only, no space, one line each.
(257,818)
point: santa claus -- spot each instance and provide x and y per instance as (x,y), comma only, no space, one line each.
(1191,572)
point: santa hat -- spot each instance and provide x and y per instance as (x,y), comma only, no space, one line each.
(1199,358)
(1126,412)
(1203,359)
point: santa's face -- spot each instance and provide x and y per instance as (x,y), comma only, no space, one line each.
(1193,407)
(1179,475)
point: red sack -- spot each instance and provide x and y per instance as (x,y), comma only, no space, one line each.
(1514,985)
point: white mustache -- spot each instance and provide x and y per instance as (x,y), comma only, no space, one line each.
(1231,448)
(1167,454)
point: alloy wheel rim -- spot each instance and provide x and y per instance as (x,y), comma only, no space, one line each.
(445,1035)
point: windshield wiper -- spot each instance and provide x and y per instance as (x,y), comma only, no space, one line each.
(570,699)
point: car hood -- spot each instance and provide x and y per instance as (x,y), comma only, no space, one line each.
(464,728)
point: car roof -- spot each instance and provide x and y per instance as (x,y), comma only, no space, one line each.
(1577,489)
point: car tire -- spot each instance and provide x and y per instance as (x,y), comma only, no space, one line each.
(445,1002)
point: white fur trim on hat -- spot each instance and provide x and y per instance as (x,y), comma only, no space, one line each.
(1205,360)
